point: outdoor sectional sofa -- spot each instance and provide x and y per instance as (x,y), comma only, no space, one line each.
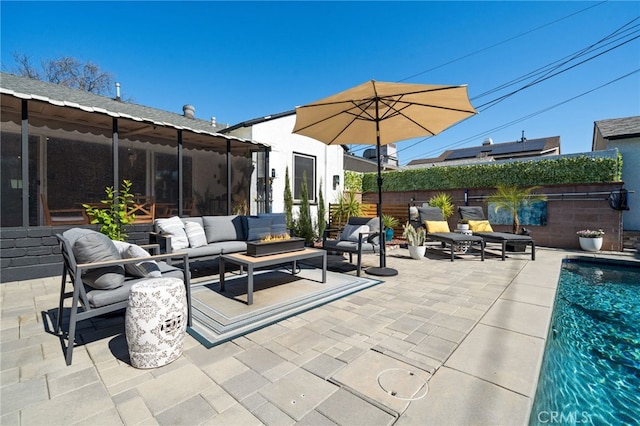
(209,237)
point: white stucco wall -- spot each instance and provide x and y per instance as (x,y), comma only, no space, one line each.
(329,159)
(630,150)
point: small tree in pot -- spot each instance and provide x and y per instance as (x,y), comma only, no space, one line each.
(511,198)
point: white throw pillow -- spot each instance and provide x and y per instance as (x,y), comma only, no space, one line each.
(145,268)
(174,227)
(352,232)
(195,234)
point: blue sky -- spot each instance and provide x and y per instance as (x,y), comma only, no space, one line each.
(243,60)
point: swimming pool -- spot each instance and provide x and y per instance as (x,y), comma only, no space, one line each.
(591,368)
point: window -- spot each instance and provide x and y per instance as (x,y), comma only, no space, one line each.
(304,164)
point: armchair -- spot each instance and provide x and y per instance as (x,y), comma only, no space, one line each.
(360,235)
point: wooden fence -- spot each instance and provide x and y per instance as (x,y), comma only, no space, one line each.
(399,211)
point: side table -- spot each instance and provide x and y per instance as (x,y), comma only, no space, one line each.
(463,247)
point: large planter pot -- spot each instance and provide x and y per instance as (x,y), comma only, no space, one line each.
(417,252)
(590,244)
(388,234)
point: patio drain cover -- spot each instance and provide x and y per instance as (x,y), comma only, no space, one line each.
(403,384)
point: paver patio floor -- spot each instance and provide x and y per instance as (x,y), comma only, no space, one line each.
(475,331)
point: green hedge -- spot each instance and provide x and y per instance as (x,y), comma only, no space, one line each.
(579,169)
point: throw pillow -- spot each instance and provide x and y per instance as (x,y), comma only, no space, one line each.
(352,232)
(434,226)
(480,226)
(143,269)
(195,234)
(96,247)
(278,223)
(174,227)
(259,228)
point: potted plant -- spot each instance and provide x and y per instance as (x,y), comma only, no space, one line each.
(590,240)
(416,239)
(115,215)
(511,198)
(389,222)
(463,224)
(443,200)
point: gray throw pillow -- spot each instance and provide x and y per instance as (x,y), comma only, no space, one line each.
(144,268)
(96,247)
(352,232)
(259,228)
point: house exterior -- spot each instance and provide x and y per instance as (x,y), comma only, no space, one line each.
(623,134)
(65,146)
(323,164)
(489,151)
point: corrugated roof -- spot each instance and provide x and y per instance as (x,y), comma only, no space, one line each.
(56,94)
(618,127)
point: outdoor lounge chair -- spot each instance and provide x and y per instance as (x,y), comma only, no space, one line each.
(433,215)
(475,213)
(90,301)
(359,235)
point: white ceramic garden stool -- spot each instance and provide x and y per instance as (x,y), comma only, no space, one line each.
(156,322)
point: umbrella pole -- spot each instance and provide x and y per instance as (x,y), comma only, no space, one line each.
(382,270)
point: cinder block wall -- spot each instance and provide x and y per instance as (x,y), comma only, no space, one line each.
(564,217)
(27,253)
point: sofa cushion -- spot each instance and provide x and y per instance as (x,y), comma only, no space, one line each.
(223,228)
(258,228)
(278,223)
(195,234)
(95,247)
(212,249)
(142,269)
(173,227)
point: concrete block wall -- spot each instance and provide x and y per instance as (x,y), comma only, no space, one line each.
(564,216)
(27,253)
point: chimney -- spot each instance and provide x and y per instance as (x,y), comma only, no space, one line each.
(487,141)
(117,91)
(189,111)
(213,122)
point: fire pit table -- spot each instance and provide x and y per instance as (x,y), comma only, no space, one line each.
(252,262)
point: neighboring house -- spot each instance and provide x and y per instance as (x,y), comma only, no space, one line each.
(68,145)
(624,134)
(368,164)
(489,151)
(322,163)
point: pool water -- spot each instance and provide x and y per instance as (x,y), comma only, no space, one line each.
(591,368)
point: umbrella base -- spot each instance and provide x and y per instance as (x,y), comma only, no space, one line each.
(382,272)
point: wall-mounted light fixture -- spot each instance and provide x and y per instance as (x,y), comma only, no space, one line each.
(273,173)
(336,181)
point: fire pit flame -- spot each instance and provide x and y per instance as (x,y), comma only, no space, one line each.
(282,237)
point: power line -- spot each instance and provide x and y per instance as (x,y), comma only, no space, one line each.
(501,42)
(526,117)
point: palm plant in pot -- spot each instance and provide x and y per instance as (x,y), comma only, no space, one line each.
(416,239)
(389,223)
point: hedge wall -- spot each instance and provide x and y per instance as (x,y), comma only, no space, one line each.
(566,170)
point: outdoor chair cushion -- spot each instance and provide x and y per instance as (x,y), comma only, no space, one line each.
(434,226)
(480,226)
(195,234)
(174,227)
(352,232)
(350,246)
(143,269)
(471,212)
(90,246)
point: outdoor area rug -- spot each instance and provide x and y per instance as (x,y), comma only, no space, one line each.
(222,316)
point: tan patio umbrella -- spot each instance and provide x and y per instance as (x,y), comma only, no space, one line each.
(384,113)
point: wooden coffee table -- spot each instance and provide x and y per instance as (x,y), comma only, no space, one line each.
(251,263)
